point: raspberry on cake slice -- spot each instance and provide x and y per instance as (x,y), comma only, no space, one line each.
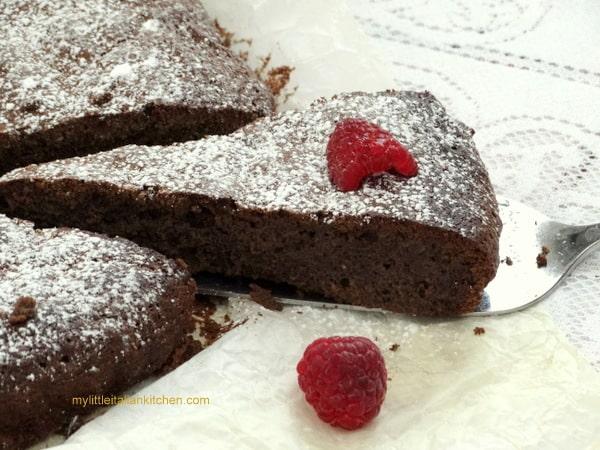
(416,233)
(78,77)
(81,315)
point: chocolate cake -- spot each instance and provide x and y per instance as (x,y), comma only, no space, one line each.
(78,77)
(258,203)
(80,315)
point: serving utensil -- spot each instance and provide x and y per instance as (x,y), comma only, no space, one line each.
(519,282)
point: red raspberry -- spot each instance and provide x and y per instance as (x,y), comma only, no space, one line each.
(358,149)
(344,379)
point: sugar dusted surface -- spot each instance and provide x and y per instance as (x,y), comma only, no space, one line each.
(62,60)
(86,286)
(280,163)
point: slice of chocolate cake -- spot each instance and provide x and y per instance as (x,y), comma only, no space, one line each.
(80,315)
(259,203)
(77,77)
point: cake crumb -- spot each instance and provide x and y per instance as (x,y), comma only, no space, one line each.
(264,63)
(100,99)
(226,36)
(31,107)
(478,331)
(189,348)
(264,298)
(23,311)
(278,78)
(508,261)
(542,258)
(209,329)
(394,347)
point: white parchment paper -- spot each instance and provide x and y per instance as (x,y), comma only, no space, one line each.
(519,385)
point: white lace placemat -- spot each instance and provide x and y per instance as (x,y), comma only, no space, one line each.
(525,74)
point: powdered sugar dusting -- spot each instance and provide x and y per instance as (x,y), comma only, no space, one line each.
(56,57)
(280,163)
(85,286)
(122,70)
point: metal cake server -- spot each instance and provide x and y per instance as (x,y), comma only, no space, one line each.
(515,287)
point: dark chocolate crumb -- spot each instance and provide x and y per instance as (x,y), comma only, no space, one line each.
(23,311)
(508,261)
(208,328)
(477,331)
(226,36)
(541,259)
(187,350)
(102,99)
(181,263)
(264,63)
(278,78)
(264,298)
(31,107)
(394,347)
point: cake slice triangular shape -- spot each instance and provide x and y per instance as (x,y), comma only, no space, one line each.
(78,77)
(259,203)
(81,316)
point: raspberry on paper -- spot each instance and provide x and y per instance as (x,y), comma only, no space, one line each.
(344,379)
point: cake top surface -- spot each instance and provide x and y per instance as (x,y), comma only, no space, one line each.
(280,163)
(84,286)
(62,60)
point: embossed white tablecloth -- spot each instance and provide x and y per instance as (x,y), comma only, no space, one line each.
(525,75)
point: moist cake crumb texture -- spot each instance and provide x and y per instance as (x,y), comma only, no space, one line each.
(279,164)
